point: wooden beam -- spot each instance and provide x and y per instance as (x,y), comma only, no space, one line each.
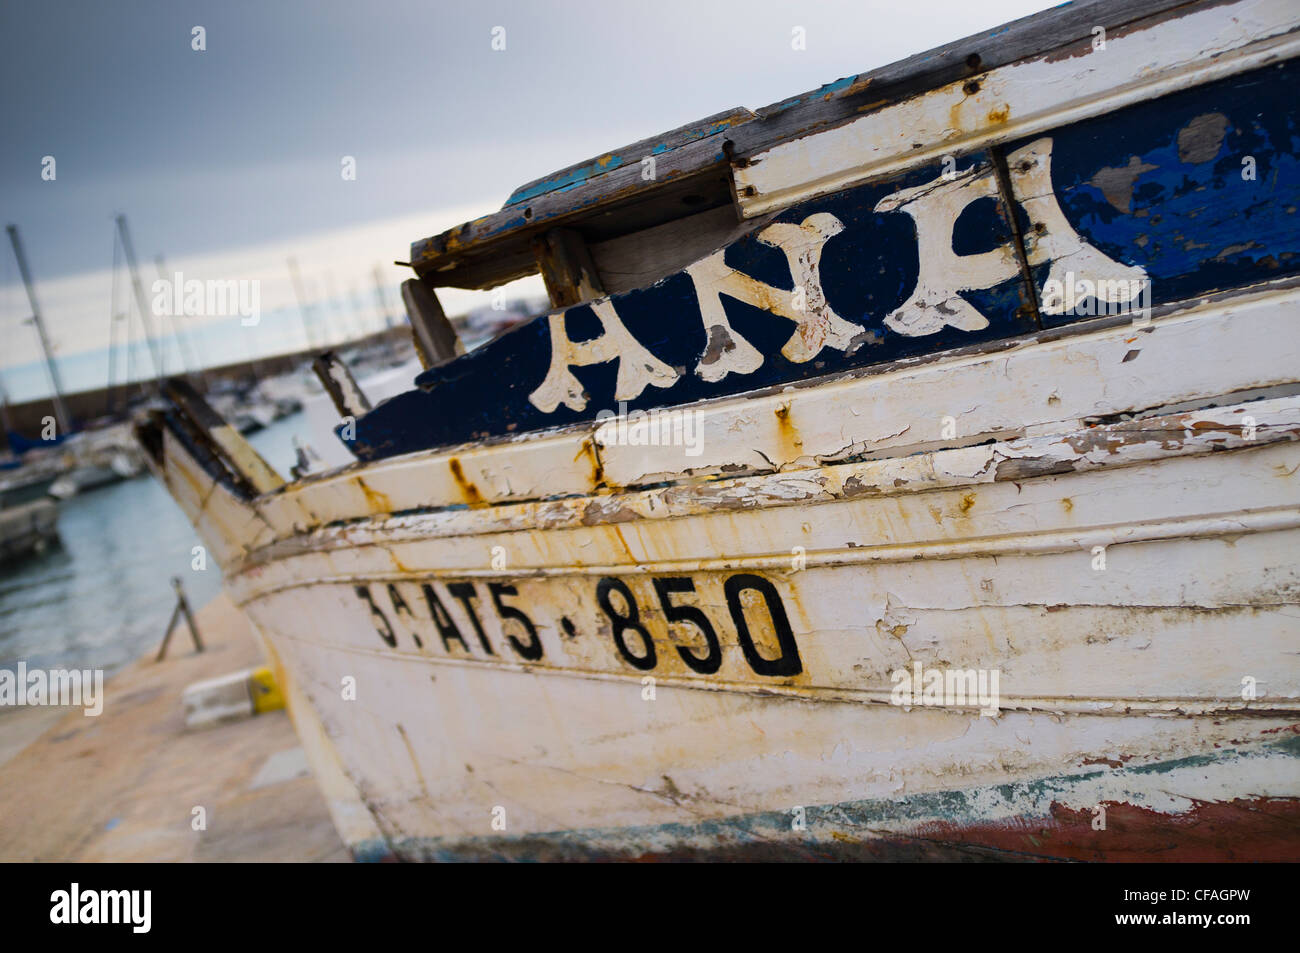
(349,399)
(218,437)
(639,260)
(566,267)
(435,339)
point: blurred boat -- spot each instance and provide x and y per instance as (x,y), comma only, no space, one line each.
(91,459)
(20,485)
(114,468)
(255,408)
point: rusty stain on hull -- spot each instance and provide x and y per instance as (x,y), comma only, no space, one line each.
(470,492)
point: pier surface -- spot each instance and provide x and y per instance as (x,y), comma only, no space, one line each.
(123,786)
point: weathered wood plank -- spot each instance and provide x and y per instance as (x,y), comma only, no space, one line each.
(581,172)
(1000,499)
(349,400)
(638,260)
(492,250)
(594,194)
(435,339)
(245,465)
(1034,387)
(1022,99)
(567,268)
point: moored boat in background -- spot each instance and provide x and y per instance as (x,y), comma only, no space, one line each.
(20,485)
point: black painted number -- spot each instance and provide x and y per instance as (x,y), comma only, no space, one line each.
(628,618)
(788,662)
(532,651)
(665,588)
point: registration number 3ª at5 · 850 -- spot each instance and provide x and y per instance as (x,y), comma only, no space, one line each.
(688,629)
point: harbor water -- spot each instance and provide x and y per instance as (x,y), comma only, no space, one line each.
(103,597)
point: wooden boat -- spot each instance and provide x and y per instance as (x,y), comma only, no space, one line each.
(906,470)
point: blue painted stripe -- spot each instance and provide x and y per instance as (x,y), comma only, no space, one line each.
(1160,185)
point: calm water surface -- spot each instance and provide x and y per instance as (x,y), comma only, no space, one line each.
(104,596)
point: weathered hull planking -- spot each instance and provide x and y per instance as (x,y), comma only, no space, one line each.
(1024,414)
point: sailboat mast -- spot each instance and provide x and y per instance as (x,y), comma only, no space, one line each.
(145,314)
(301,298)
(183,346)
(60,410)
(385,314)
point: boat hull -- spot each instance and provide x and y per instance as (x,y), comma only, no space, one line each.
(1132,584)
(1057,818)
(1115,696)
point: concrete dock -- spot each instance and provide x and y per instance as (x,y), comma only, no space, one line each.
(123,786)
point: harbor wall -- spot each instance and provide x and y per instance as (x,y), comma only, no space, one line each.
(26,418)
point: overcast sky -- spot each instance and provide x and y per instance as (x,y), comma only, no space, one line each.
(229,159)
